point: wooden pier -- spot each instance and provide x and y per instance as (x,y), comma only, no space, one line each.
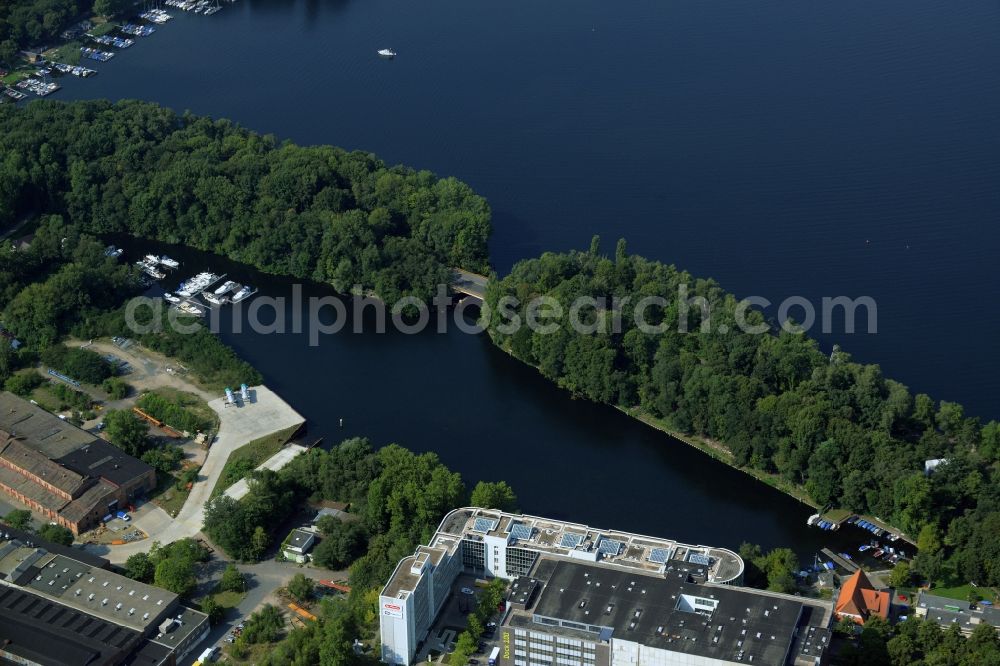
(840,561)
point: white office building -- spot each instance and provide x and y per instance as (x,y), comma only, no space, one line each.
(545,626)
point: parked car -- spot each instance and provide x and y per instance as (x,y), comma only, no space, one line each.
(467,590)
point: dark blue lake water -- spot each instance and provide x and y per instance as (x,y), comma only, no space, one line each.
(784,148)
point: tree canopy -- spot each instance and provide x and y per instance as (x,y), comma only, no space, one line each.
(56,534)
(127,431)
(494,495)
(29,23)
(839,429)
(320,213)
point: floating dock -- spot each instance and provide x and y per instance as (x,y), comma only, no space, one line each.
(840,560)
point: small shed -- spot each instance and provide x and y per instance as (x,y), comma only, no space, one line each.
(298,545)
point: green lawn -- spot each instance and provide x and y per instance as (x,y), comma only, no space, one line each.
(229,599)
(837,515)
(961,592)
(167,496)
(68,53)
(248,457)
(15,76)
(103,29)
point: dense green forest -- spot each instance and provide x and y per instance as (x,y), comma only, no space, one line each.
(318,213)
(29,23)
(64,285)
(61,281)
(840,429)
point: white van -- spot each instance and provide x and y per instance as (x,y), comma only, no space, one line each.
(209,655)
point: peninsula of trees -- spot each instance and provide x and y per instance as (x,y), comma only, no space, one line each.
(318,213)
(839,429)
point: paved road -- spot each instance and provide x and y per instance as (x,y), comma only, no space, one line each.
(472,284)
(264,579)
(266,414)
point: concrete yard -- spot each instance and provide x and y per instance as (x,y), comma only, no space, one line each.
(265,413)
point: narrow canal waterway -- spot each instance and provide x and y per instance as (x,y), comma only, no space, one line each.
(490,417)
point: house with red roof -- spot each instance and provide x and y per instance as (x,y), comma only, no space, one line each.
(859,600)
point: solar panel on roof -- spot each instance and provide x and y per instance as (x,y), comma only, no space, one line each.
(484,525)
(698,558)
(609,546)
(520,531)
(570,540)
(659,555)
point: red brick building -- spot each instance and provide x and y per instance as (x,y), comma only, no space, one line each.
(62,472)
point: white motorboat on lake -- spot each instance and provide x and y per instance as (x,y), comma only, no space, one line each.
(150,269)
(196,284)
(243,293)
(170,298)
(190,309)
(226,287)
(387,53)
